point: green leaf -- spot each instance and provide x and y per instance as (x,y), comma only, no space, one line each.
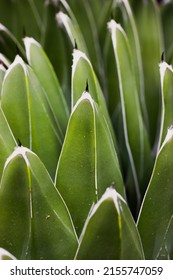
(41,65)
(5,255)
(57,47)
(84,15)
(7,141)
(82,71)
(149,27)
(155,219)
(29,198)
(166,76)
(110,232)
(129,25)
(137,143)
(72,28)
(88,163)
(29,114)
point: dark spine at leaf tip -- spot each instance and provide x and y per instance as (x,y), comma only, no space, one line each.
(163,57)
(24,32)
(87,86)
(2,63)
(17,50)
(19,143)
(75,45)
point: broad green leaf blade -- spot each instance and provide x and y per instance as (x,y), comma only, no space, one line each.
(73,30)
(29,198)
(147,18)
(41,65)
(166,77)
(82,71)
(155,219)
(15,208)
(7,141)
(5,255)
(129,25)
(137,143)
(29,115)
(86,165)
(110,232)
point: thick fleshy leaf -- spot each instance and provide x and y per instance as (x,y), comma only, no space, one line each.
(88,163)
(29,114)
(7,141)
(5,255)
(72,28)
(29,199)
(110,232)
(156,215)
(129,25)
(41,65)
(166,76)
(148,23)
(82,72)
(135,135)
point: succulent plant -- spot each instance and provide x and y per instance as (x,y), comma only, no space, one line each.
(86,135)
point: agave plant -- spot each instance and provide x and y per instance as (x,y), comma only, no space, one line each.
(86,151)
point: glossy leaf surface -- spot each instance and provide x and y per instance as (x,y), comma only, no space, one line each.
(88,161)
(110,232)
(29,199)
